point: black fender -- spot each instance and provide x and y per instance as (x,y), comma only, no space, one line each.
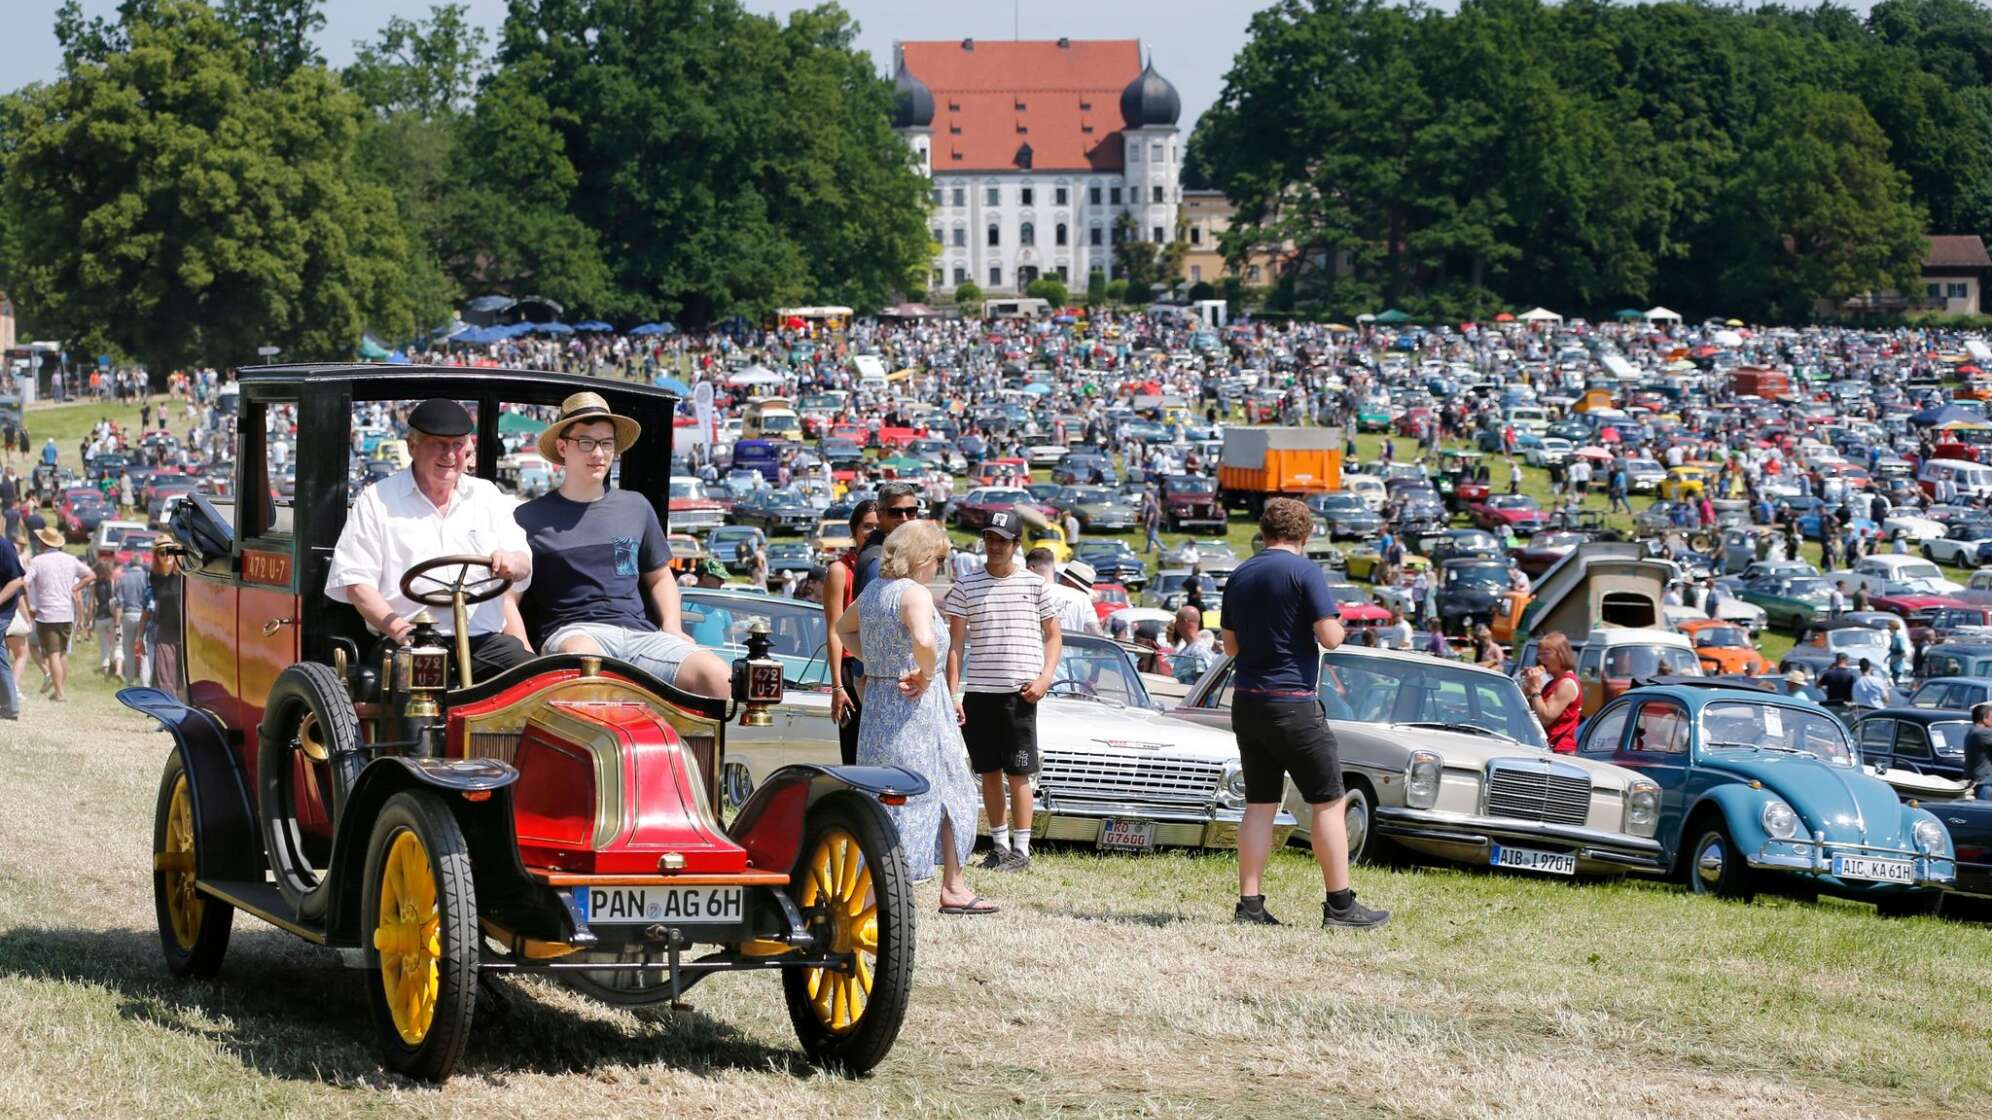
(478,792)
(228,845)
(770,825)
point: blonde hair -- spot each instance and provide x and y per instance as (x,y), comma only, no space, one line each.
(910,546)
(1555,646)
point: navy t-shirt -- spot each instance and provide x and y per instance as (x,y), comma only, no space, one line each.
(589,559)
(1271,605)
(10,570)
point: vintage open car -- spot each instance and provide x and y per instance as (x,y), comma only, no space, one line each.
(562,817)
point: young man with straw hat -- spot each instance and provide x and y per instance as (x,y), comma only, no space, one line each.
(603,569)
(54,588)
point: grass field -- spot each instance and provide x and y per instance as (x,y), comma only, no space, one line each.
(1109,986)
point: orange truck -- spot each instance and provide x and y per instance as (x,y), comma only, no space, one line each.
(1261,463)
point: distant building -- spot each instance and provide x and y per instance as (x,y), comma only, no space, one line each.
(1035,148)
(1954,273)
(1207,216)
(1952,281)
(6,322)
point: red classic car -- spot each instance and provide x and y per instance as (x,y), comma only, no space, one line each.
(974,509)
(563,818)
(1108,598)
(1514,511)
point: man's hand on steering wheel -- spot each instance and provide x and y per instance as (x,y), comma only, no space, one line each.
(511,566)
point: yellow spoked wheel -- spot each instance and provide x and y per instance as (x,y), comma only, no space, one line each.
(840,885)
(193,929)
(423,945)
(408,938)
(853,890)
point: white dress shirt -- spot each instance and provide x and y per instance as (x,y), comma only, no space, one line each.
(393,526)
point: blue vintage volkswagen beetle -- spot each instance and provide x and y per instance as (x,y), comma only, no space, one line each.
(1754,783)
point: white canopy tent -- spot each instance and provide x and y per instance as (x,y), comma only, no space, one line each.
(755,375)
(1541,315)
(1662,315)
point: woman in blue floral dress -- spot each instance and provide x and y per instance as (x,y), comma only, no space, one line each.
(896,629)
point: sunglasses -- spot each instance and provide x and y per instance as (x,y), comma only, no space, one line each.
(900,511)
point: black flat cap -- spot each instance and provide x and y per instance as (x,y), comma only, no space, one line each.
(439,416)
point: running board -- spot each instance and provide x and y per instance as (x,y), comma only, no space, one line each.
(265,902)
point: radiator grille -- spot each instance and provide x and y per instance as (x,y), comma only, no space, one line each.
(1524,790)
(1116,777)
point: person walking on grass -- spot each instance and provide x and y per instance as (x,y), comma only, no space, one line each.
(55,585)
(1278,616)
(1006,618)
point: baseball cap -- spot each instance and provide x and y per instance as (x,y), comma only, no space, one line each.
(713,568)
(1003,523)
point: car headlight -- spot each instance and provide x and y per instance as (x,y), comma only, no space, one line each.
(1779,819)
(1642,808)
(1232,788)
(1930,836)
(1421,780)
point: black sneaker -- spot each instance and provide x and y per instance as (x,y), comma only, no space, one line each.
(1253,915)
(1014,861)
(1356,916)
(993,859)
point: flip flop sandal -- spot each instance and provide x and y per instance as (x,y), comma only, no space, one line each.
(974,906)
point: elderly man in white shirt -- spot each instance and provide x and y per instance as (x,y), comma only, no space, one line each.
(434,509)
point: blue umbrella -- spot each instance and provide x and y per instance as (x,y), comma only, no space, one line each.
(593,325)
(515,330)
(398,358)
(646,329)
(552,328)
(672,385)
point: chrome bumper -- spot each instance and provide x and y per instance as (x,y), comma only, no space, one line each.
(1175,826)
(1813,856)
(1615,849)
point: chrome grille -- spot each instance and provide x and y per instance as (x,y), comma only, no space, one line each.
(1118,777)
(1544,791)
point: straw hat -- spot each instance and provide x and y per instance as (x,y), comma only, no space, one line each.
(587,406)
(49,537)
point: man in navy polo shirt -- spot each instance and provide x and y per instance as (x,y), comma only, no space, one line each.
(1278,615)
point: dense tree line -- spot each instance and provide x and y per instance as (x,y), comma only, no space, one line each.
(1594,156)
(198,182)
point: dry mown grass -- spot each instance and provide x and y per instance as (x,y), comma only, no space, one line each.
(1109,987)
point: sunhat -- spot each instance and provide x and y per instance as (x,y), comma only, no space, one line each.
(583,407)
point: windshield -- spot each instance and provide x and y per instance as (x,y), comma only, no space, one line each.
(1096,669)
(1801,588)
(1740,725)
(1651,661)
(1721,637)
(689,488)
(1188,484)
(1921,569)
(1949,737)
(1368,689)
(1857,637)
(1492,575)
(795,630)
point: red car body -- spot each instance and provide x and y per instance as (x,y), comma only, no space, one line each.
(1524,520)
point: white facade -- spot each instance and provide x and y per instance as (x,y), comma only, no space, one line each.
(1004,229)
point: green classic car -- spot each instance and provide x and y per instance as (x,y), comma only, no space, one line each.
(1790,602)
(1373,415)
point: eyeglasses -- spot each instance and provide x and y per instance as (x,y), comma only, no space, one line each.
(590,446)
(900,511)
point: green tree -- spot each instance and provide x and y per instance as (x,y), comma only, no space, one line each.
(1817,212)
(167,206)
(724,160)
(968,296)
(1117,290)
(277,34)
(1049,289)
(1096,288)
(429,67)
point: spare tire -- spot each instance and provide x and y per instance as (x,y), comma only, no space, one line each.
(308,712)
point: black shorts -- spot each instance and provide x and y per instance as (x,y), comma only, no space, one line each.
(1001,732)
(1281,736)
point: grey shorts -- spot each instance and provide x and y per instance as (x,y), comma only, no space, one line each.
(653,651)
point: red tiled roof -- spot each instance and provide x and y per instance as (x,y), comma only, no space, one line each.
(992,99)
(1956,250)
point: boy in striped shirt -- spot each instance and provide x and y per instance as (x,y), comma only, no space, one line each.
(1003,624)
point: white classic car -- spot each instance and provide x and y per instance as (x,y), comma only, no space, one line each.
(1116,773)
(1445,759)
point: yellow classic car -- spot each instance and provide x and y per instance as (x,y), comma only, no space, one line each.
(1682,483)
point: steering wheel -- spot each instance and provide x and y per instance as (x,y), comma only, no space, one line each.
(445,591)
(1078,686)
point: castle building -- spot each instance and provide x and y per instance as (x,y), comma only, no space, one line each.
(1035,149)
